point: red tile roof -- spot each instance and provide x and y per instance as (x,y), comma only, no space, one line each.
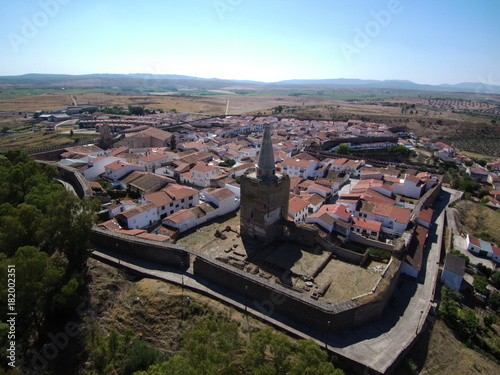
(340,161)
(296,162)
(296,204)
(177,192)
(221,194)
(475,241)
(416,248)
(202,167)
(159,198)
(335,209)
(180,216)
(153,237)
(116,165)
(496,250)
(426,215)
(400,214)
(137,210)
(367,224)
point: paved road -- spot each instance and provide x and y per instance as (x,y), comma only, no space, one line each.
(380,344)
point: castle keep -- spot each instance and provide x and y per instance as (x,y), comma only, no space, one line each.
(264,197)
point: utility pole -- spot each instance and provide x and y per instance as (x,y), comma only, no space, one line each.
(421,313)
(182,290)
(327,334)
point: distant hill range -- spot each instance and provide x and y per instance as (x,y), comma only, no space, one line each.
(145,82)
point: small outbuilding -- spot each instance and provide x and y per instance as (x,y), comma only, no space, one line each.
(453,272)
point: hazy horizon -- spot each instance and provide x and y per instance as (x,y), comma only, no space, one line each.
(449,42)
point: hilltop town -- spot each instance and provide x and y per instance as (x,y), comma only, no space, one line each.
(206,155)
(348,214)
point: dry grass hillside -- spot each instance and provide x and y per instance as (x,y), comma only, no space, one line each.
(46,102)
(438,352)
(477,219)
(475,133)
(153,310)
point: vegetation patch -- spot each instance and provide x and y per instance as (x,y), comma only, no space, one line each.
(479,221)
(44,233)
(466,324)
(486,145)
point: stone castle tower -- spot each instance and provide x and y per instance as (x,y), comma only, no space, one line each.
(105,137)
(264,197)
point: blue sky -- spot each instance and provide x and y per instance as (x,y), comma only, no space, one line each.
(444,41)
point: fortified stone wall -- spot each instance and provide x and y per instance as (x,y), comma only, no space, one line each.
(74,177)
(267,297)
(270,299)
(344,254)
(143,249)
(356,140)
(430,196)
(307,235)
(304,234)
(369,242)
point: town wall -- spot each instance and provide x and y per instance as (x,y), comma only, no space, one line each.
(140,248)
(267,297)
(431,195)
(427,200)
(344,255)
(307,235)
(356,140)
(53,153)
(354,237)
(74,177)
(270,298)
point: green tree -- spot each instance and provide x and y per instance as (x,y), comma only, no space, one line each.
(480,284)
(140,355)
(278,109)
(343,149)
(37,282)
(136,110)
(495,279)
(489,320)
(280,348)
(68,224)
(211,346)
(311,360)
(176,365)
(44,232)
(494,301)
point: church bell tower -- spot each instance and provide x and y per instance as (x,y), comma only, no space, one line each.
(264,197)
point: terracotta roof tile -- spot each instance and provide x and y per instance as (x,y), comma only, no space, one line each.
(366,224)
(296,204)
